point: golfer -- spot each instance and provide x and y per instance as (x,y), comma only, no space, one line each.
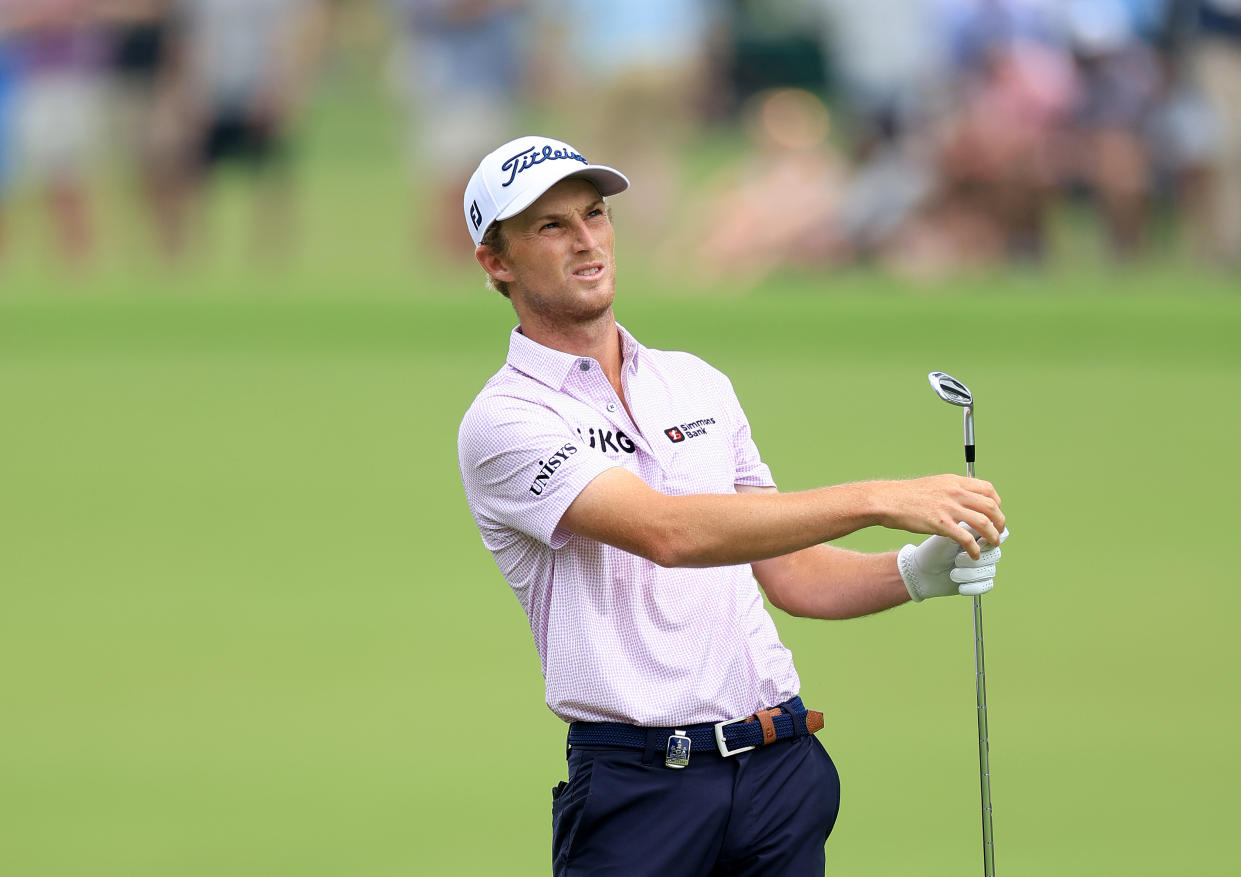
(625,502)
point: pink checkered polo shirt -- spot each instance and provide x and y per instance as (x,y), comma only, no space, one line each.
(619,637)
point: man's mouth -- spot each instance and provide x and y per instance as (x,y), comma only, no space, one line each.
(588,270)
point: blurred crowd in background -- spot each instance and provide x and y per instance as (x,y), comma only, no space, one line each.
(924,135)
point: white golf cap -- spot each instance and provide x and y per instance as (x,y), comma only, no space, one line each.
(513,177)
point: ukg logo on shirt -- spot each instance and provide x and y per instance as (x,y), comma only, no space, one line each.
(606,440)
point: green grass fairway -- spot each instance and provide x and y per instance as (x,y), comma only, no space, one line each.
(248,627)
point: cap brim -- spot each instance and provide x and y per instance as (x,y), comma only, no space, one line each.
(608,181)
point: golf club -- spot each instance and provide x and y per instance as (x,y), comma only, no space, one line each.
(956,393)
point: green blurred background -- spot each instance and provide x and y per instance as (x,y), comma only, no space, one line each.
(248,626)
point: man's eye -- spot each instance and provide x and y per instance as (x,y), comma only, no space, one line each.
(550,225)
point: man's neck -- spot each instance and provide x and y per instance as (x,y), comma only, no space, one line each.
(598,339)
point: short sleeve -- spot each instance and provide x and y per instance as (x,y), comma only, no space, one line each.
(751,470)
(522,466)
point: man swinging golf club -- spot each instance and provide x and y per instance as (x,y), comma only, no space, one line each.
(622,496)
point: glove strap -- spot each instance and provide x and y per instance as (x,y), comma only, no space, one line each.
(908,568)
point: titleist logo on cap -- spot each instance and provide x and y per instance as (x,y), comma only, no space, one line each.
(528,158)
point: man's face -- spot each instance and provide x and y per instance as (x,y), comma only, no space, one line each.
(559,256)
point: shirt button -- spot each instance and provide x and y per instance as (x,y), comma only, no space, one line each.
(611,406)
(584,366)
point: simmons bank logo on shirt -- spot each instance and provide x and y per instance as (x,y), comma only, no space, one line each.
(680,433)
(548,467)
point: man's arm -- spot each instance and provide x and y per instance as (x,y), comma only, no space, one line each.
(823,581)
(622,510)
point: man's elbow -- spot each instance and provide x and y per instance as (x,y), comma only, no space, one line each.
(796,601)
(664,550)
(669,547)
(779,599)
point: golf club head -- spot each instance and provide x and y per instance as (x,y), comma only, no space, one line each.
(956,393)
(950,389)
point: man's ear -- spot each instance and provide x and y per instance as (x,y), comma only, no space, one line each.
(493,263)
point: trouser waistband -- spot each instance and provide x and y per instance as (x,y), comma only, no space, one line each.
(783,722)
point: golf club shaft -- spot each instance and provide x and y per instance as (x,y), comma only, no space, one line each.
(980,673)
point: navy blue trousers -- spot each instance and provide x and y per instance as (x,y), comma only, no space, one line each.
(766,811)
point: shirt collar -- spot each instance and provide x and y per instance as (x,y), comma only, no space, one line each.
(631,349)
(552,367)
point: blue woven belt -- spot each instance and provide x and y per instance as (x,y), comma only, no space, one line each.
(726,738)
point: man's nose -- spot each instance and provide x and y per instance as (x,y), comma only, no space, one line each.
(582,237)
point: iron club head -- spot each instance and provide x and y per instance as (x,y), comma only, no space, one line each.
(950,389)
(956,393)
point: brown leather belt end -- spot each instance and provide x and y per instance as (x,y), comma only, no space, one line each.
(814,721)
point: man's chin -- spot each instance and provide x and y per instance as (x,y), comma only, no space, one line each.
(599,294)
(584,304)
(589,312)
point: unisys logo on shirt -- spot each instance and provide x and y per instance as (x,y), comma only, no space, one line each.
(549,466)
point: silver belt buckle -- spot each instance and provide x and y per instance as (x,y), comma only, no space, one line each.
(722,744)
(677,752)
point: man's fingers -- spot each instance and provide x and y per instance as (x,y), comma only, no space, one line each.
(989,508)
(981,528)
(984,487)
(985,538)
(1003,536)
(966,575)
(976,576)
(990,555)
(988,532)
(964,537)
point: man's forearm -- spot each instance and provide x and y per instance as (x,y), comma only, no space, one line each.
(828,582)
(716,529)
(713,530)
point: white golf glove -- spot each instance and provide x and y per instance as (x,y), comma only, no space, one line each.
(940,567)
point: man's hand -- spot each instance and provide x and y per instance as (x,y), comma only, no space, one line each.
(955,506)
(938,567)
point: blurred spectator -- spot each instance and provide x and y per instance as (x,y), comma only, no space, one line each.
(1119,80)
(246,69)
(149,125)
(889,60)
(628,80)
(1217,65)
(57,53)
(767,44)
(461,67)
(885,213)
(777,207)
(1014,87)
(1181,133)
